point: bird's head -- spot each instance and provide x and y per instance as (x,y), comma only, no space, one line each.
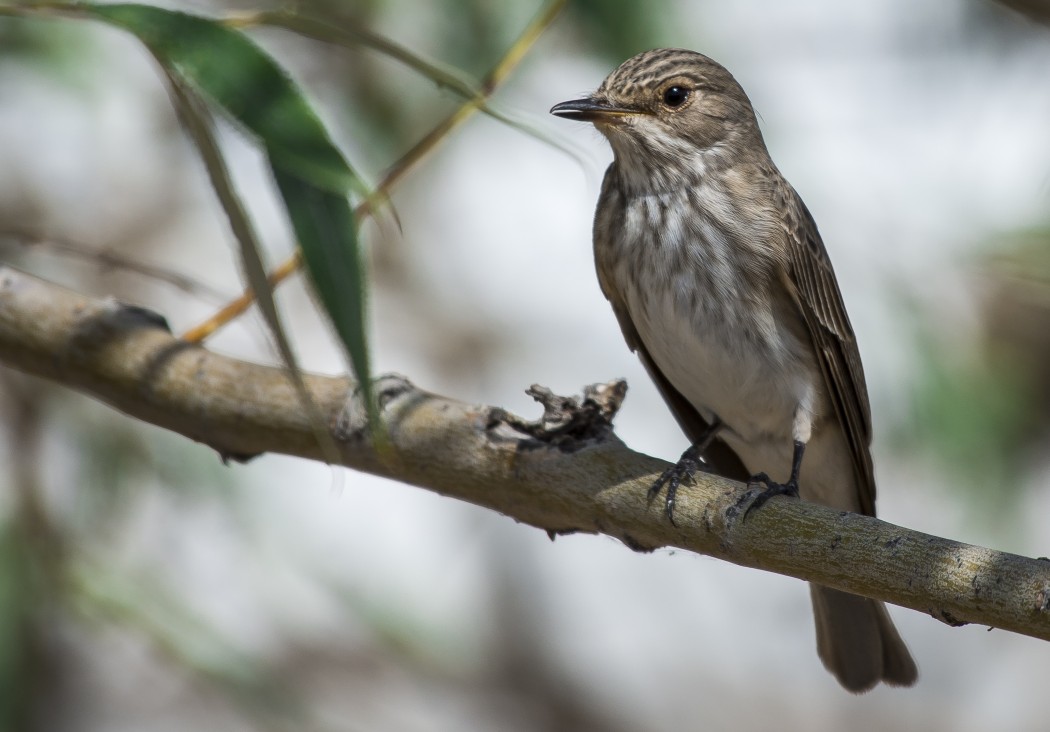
(669,107)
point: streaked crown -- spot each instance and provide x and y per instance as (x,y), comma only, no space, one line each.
(637,77)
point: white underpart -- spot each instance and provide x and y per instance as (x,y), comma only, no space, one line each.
(763,388)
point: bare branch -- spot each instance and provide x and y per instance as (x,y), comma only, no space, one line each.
(582,479)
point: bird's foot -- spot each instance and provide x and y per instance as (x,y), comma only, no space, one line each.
(772,488)
(681,472)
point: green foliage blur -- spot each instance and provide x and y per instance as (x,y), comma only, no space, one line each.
(980,407)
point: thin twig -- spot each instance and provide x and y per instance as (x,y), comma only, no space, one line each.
(106,259)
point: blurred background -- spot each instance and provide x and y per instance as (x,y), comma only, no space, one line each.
(145,586)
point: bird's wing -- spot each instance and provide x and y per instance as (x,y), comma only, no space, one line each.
(718,455)
(812,284)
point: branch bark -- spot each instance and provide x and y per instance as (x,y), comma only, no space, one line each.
(566,473)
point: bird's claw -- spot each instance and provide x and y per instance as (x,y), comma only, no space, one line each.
(681,472)
(772,488)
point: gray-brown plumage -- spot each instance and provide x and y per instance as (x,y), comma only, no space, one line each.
(721,284)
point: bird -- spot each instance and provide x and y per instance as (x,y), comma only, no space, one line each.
(722,285)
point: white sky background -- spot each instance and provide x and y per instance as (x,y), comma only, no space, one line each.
(909,155)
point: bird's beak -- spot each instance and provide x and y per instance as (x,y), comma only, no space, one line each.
(590,110)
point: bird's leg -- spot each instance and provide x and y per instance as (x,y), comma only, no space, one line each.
(778,489)
(683,471)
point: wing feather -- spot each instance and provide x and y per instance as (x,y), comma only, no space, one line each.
(816,293)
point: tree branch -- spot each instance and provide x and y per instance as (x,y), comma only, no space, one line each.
(566,473)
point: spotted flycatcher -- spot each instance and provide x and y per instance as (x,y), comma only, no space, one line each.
(721,284)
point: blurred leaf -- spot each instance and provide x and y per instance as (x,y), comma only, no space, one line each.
(325,220)
(123,464)
(1036,10)
(16,600)
(1015,310)
(983,406)
(475,31)
(622,28)
(182,637)
(972,412)
(311,173)
(60,48)
(350,34)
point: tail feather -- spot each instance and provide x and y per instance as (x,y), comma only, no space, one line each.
(857,641)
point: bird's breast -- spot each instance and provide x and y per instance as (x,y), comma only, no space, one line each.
(703,302)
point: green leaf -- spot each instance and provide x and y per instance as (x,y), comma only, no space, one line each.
(311,173)
(324,219)
(198,123)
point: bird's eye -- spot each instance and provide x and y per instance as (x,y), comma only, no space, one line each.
(675,96)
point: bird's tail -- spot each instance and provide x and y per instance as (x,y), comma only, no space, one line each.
(857,641)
